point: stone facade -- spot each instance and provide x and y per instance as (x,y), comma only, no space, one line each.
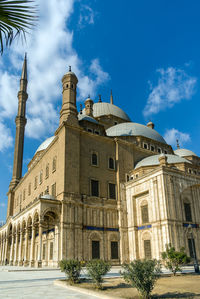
(87,193)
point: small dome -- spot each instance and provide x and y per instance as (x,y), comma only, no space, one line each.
(45,144)
(154,160)
(88,118)
(181,152)
(102,108)
(134,129)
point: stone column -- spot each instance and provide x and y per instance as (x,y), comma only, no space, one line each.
(26,248)
(20,249)
(2,251)
(16,249)
(11,251)
(32,247)
(39,262)
(5,250)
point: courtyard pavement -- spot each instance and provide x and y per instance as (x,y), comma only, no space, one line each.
(25,283)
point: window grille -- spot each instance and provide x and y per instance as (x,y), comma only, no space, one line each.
(94,188)
(147,249)
(188,215)
(145,214)
(112,191)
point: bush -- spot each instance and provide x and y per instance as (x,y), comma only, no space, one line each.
(96,270)
(173,260)
(142,275)
(72,269)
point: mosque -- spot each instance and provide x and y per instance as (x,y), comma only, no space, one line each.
(101,187)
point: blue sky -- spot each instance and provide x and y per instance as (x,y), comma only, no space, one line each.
(146,51)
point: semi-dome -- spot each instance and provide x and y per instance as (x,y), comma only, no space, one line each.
(45,144)
(102,108)
(182,152)
(134,129)
(154,160)
(86,117)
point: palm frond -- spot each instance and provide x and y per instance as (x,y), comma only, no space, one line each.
(16,17)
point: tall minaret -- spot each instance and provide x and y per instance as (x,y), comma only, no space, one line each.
(20,121)
(68,111)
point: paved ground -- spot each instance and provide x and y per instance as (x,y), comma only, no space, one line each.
(35,284)
(23,283)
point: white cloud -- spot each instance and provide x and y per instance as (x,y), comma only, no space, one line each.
(50,52)
(172,135)
(87,16)
(173,86)
(6,139)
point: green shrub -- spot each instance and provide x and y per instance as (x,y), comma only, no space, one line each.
(72,269)
(173,260)
(96,270)
(142,275)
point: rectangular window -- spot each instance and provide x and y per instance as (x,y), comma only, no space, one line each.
(53,189)
(44,251)
(51,251)
(112,192)
(47,190)
(94,188)
(145,214)
(29,189)
(94,159)
(114,251)
(95,250)
(111,163)
(192,250)
(188,215)
(147,249)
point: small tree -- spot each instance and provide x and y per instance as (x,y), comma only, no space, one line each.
(72,269)
(173,260)
(96,270)
(142,275)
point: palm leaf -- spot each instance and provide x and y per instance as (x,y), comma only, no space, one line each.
(16,17)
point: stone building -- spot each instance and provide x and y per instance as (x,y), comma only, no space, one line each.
(101,187)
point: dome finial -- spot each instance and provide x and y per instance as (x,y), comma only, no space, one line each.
(100,98)
(177,143)
(111,97)
(70,68)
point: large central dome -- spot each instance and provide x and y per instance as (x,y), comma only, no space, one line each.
(134,129)
(101,109)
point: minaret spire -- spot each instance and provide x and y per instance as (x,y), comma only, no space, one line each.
(20,121)
(111,97)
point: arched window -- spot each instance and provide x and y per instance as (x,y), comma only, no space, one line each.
(47,170)
(41,177)
(54,164)
(144,213)
(111,163)
(188,214)
(24,194)
(94,159)
(29,189)
(35,184)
